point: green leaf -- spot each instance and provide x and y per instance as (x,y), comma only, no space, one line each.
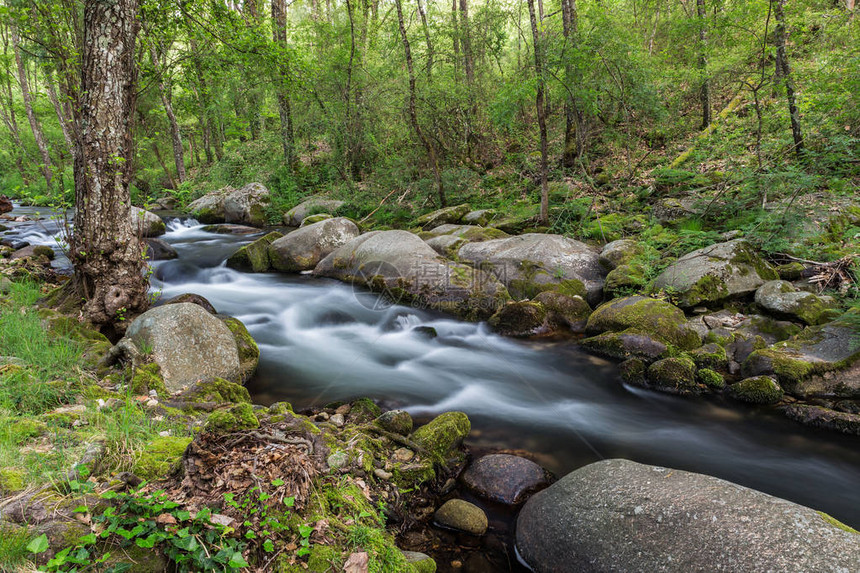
(87,539)
(236,561)
(278,482)
(38,545)
(182,515)
(290,501)
(305,530)
(109,494)
(187,543)
(148,542)
(303,551)
(268,546)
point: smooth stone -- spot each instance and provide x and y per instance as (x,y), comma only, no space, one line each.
(462,516)
(504,478)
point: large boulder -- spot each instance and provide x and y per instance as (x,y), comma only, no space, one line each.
(187,343)
(619,252)
(148,224)
(304,248)
(715,273)
(447,239)
(295,216)
(618,515)
(783,299)
(247,206)
(656,318)
(254,257)
(403,267)
(445,215)
(822,361)
(531,263)
(158,250)
(210,207)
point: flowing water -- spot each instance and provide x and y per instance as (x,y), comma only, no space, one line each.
(322,341)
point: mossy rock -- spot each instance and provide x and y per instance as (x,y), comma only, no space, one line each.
(216,390)
(11,479)
(520,319)
(148,377)
(442,216)
(249,352)
(43,251)
(255,256)
(311,219)
(757,390)
(161,458)
(674,376)
(712,356)
(624,279)
(239,417)
(23,429)
(397,421)
(711,378)
(571,311)
(626,344)
(413,473)
(419,562)
(364,410)
(444,434)
(634,371)
(790,271)
(656,318)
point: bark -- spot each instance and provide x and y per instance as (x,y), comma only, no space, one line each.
(466,39)
(64,114)
(705,89)
(255,97)
(541,115)
(455,26)
(175,133)
(413,112)
(7,110)
(427,39)
(785,74)
(105,248)
(36,127)
(279,35)
(573,128)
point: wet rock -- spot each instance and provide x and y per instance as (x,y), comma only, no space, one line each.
(249,352)
(192,298)
(715,273)
(442,216)
(425,331)
(304,248)
(520,319)
(756,390)
(210,207)
(187,343)
(531,263)
(825,418)
(396,421)
(404,268)
(462,516)
(158,250)
(5,204)
(420,562)
(563,310)
(618,515)
(711,356)
(231,229)
(785,300)
(634,371)
(504,478)
(619,253)
(295,216)
(443,434)
(247,206)
(656,318)
(673,376)
(624,345)
(254,257)
(148,224)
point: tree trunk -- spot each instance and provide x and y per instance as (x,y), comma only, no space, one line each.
(105,248)
(455,32)
(427,39)
(63,114)
(468,59)
(38,135)
(705,89)
(279,36)
(785,69)
(175,134)
(541,115)
(573,143)
(7,109)
(413,112)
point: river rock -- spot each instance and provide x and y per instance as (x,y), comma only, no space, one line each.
(187,343)
(210,207)
(254,257)
(158,250)
(653,317)
(715,273)
(531,263)
(231,229)
(5,204)
(304,248)
(521,319)
(447,239)
(295,216)
(821,361)
(756,390)
(825,418)
(479,217)
(396,421)
(442,435)
(624,345)
(504,478)
(148,224)
(247,206)
(673,376)
(619,252)
(462,516)
(569,311)
(785,300)
(442,216)
(403,267)
(617,515)
(311,219)
(193,299)
(34,251)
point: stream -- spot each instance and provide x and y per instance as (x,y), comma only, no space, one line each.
(322,340)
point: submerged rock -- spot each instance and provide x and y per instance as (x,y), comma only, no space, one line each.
(503,478)
(532,263)
(304,248)
(617,515)
(715,273)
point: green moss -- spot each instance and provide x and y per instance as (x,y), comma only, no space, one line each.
(239,417)
(413,473)
(161,457)
(11,479)
(626,344)
(788,369)
(217,390)
(148,377)
(519,318)
(756,390)
(444,434)
(280,408)
(43,251)
(836,523)
(364,410)
(707,289)
(633,371)
(745,255)
(657,318)
(624,279)
(254,257)
(711,356)
(249,352)
(23,429)
(710,378)
(674,375)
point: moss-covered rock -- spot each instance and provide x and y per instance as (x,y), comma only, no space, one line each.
(216,390)
(825,418)
(444,434)
(363,410)
(712,356)
(397,421)
(633,371)
(22,429)
(790,271)
(783,299)
(756,390)
(674,376)
(624,279)
(463,516)
(627,344)
(619,253)
(239,417)
(148,377)
(43,251)
(11,479)
(442,216)
(413,473)
(711,378)
(656,318)
(249,352)
(161,457)
(520,319)
(564,310)
(311,219)
(254,257)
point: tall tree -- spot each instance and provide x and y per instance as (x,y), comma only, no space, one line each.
(35,125)
(573,132)
(541,114)
(175,133)
(784,70)
(105,248)
(466,41)
(279,35)
(705,88)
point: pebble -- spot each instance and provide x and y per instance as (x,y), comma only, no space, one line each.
(337,460)
(403,454)
(462,516)
(382,474)
(164,433)
(322,417)
(338,420)
(343,410)
(151,403)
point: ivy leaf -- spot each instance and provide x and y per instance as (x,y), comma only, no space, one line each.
(186,543)
(148,542)
(268,546)
(38,545)
(236,561)
(87,539)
